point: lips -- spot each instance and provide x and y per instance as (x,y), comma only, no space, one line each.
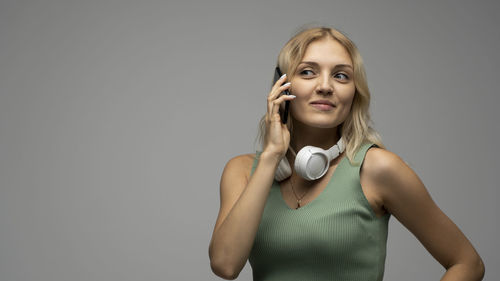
(322,105)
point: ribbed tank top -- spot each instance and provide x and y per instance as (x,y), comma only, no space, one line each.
(337,236)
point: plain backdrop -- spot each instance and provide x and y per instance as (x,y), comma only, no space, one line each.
(117,118)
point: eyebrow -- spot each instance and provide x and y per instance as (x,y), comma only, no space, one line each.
(336,66)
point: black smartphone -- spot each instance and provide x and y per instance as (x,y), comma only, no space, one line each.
(283,113)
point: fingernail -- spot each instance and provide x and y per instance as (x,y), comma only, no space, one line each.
(283,76)
(292,96)
(287,84)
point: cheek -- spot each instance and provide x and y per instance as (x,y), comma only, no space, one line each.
(346,95)
(346,99)
(302,93)
(301,88)
(293,107)
(296,109)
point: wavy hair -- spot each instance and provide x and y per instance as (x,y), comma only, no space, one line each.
(356,129)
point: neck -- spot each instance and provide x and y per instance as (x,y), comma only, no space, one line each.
(304,135)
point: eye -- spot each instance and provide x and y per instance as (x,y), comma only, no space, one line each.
(306,72)
(341,76)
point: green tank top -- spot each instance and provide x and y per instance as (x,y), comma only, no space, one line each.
(337,236)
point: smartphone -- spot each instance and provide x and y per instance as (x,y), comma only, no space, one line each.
(283,113)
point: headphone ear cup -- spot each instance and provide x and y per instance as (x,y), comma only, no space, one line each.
(311,163)
(283,171)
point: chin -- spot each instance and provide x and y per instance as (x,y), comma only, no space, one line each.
(322,124)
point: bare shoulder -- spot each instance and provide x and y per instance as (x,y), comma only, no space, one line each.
(233,181)
(381,165)
(393,179)
(375,173)
(240,165)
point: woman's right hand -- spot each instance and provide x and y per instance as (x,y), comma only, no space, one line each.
(277,136)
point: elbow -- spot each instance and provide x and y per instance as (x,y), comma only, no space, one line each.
(474,268)
(223,270)
(480,269)
(222,266)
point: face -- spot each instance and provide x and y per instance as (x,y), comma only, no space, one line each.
(323,84)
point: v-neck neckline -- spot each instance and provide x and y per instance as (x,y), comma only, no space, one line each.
(282,199)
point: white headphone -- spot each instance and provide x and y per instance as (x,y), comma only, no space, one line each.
(311,162)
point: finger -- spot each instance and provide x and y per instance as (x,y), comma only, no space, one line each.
(274,94)
(273,105)
(280,81)
(276,103)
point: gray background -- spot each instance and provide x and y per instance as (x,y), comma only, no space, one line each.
(117,118)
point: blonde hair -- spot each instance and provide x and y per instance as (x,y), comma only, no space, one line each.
(356,129)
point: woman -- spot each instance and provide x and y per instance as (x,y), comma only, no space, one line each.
(331,225)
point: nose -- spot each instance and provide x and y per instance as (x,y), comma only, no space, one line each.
(324,86)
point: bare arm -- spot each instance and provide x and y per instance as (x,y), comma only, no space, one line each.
(405,196)
(241,210)
(242,200)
